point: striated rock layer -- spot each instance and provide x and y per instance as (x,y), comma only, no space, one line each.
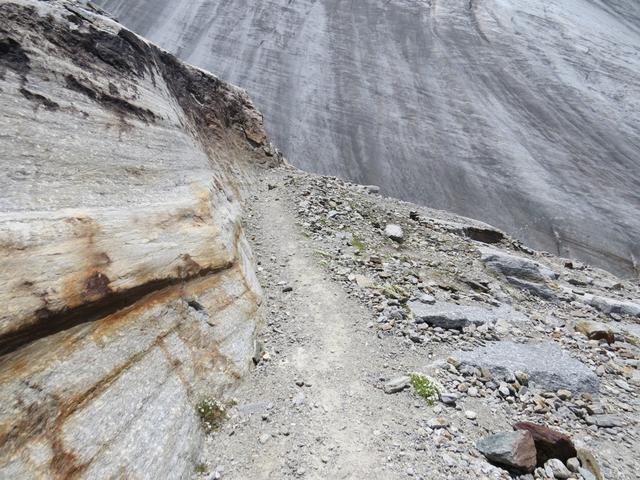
(519,113)
(127,290)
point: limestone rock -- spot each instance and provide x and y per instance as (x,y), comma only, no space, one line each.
(504,358)
(513,450)
(126,284)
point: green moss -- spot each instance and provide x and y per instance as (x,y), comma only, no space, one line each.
(358,243)
(424,387)
(200,468)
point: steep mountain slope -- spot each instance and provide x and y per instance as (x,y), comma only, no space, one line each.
(523,114)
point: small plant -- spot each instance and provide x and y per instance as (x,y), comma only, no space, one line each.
(396,292)
(200,468)
(212,413)
(424,387)
(358,243)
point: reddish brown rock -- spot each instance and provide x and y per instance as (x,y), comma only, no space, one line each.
(549,443)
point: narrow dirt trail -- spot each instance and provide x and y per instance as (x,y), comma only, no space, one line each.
(311,410)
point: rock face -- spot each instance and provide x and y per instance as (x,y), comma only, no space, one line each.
(546,364)
(503,111)
(127,290)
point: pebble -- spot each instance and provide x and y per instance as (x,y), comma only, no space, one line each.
(438,422)
(556,469)
(470,414)
(573,464)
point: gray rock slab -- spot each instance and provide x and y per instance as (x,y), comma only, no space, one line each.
(397,384)
(511,265)
(612,305)
(541,290)
(453,316)
(548,366)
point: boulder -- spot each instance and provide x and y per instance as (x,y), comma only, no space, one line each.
(595,331)
(453,316)
(505,358)
(127,287)
(394,232)
(513,450)
(516,266)
(549,443)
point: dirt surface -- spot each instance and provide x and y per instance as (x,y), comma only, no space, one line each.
(315,406)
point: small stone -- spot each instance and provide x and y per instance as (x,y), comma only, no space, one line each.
(397,384)
(428,299)
(587,474)
(298,400)
(394,232)
(470,414)
(573,464)
(449,398)
(521,377)
(514,450)
(364,282)
(438,422)
(564,394)
(287,288)
(473,392)
(264,438)
(504,390)
(556,469)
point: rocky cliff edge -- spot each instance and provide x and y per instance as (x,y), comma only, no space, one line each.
(127,290)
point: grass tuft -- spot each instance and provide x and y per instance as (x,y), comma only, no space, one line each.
(200,468)
(358,244)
